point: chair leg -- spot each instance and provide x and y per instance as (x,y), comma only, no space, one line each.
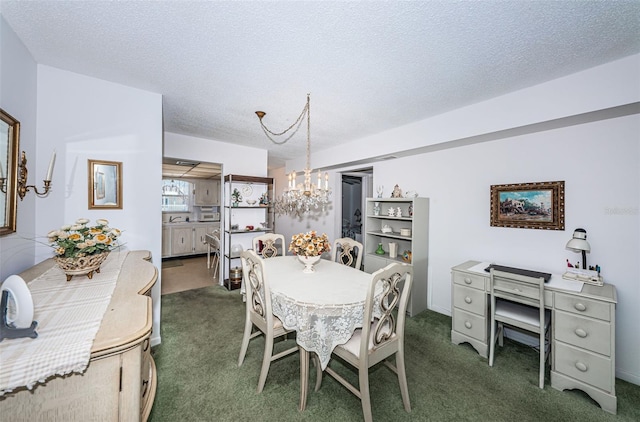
(248,325)
(319,373)
(365,397)
(266,362)
(492,341)
(402,379)
(542,357)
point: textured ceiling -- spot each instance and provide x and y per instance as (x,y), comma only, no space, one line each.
(370,66)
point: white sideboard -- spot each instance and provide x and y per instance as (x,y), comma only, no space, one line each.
(120,381)
(583,330)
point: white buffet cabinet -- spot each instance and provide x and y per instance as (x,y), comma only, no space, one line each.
(181,239)
(119,383)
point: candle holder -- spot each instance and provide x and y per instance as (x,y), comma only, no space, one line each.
(23,188)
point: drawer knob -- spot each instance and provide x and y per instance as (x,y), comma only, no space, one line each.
(467,280)
(582,367)
(580,332)
(468,300)
(580,307)
(467,324)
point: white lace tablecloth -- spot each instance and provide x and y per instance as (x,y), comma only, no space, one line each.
(324,307)
(69,316)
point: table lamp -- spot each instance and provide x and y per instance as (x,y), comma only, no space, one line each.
(579,244)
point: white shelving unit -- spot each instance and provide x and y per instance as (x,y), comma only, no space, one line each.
(415,217)
(243,215)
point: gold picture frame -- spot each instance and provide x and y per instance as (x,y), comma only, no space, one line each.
(538,205)
(105,184)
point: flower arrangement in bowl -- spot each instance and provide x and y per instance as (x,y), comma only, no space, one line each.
(309,248)
(80,249)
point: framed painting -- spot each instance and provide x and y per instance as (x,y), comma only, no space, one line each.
(105,184)
(538,205)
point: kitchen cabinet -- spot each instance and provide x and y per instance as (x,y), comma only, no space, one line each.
(207,193)
(183,239)
(247,212)
(409,230)
(166,242)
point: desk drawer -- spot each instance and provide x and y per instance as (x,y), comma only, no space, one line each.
(586,333)
(470,324)
(583,306)
(470,280)
(471,300)
(584,366)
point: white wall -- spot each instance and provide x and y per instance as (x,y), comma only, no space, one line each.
(18,98)
(86,118)
(599,161)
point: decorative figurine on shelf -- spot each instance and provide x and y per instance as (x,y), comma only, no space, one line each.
(391,212)
(398,212)
(411,210)
(406,256)
(569,264)
(264,199)
(376,208)
(397,192)
(237,197)
(380,190)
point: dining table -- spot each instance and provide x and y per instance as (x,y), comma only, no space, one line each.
(324,307)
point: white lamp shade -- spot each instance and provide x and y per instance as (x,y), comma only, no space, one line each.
(578,245)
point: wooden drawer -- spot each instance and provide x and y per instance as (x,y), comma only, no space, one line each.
(585,366)
(583,306)
(469,324)
(586,333)
(468,299)
(470,280)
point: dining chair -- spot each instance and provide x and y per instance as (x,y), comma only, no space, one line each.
(379,340)
(518,301)
(213,251)
(269,245)
(259,314)
(350,252)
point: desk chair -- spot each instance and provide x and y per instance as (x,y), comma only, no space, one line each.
(260,315)
(348,249)
(518,301)
(379,340)
(269,245)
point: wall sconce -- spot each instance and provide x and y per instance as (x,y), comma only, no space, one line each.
(23,188)
(579,244)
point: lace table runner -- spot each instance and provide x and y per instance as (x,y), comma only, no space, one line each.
(69,316)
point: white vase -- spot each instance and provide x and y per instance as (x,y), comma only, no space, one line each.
(309,262)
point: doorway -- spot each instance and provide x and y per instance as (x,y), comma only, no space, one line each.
(356,187)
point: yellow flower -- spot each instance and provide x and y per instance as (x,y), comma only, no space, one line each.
(309,244)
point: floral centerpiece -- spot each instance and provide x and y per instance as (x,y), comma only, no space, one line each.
(81,248)
(309,247)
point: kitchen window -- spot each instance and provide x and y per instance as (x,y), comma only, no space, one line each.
(176,195)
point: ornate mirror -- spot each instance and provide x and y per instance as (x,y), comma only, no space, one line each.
(9,144)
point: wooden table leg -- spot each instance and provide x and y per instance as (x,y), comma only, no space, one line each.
(304,377)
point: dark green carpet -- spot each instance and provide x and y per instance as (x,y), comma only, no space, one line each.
(199,380)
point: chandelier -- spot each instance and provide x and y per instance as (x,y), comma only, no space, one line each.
(305,197)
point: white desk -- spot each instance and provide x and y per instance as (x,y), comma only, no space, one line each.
(583,329)
(324,307)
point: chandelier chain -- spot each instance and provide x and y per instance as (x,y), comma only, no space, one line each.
(296,124)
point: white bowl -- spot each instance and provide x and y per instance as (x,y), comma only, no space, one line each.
(251,202)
